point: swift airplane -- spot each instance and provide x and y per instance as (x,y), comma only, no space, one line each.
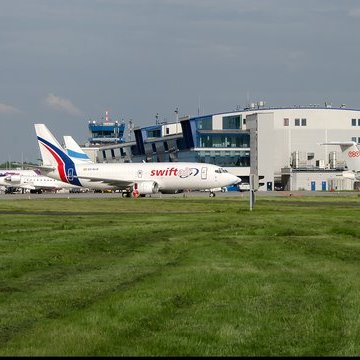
(133,179)
(351,155)
(31,180)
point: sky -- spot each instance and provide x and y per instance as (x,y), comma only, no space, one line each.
(65,62)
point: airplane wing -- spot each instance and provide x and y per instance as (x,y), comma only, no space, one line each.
(28,186)
(39,167)
(121,184)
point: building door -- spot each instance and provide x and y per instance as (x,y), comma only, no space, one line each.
(323,185)
(313,186)
(269,186)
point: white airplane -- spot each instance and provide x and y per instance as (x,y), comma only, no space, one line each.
(351,155)
(133,179)
(30,180)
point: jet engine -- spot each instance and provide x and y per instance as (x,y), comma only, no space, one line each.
(148,187)
(12,178)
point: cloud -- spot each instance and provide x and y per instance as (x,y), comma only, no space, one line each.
(58,103)
(355,12)
(8,109)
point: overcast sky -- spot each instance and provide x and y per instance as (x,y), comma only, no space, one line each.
(63,62)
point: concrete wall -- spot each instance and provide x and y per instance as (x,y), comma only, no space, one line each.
(307,181)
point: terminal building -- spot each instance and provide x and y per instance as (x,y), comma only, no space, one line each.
(280,146)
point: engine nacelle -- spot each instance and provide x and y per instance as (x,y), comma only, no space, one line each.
(148,187)
(13,178)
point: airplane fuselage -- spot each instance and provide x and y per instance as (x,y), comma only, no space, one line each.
(139,178)
(29,179)
(167,176)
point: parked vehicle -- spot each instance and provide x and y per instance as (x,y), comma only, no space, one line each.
(244,187)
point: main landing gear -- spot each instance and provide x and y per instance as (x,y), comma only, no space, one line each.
(212,194)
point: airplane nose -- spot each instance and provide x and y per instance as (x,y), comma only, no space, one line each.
(234,179)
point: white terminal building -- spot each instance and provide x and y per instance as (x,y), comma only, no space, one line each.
(280,146)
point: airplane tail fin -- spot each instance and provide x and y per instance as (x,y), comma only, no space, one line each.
(54,156)
(50,148)
(75,152)
(350,152)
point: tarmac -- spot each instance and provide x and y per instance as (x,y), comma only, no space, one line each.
(191,194)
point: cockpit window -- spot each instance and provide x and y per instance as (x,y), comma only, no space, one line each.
(221,170)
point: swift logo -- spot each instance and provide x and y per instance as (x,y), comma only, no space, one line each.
(182,173)
(354,153)
(185,173)
(164,172)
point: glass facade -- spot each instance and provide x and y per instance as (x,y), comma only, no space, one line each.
(231,122)
(204,123)
(225,158)
(241,140)
(234,158)
(154,133)
(106,132)
(228,147)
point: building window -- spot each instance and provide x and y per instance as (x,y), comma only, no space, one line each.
(167,130)
(224,141)
(104,154)
(353,139)
(231,122)
(358,140)
(112,153)
(223,158)
(166,147)
(204,123)
(297,122)
(286,121)
(358,122)
(153,147)
(303,122)
(154,133)
(353,122)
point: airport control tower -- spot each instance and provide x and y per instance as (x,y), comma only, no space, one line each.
(106,132)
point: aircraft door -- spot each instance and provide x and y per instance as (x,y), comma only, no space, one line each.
(203,173)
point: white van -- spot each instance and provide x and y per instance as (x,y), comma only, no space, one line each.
(244,186)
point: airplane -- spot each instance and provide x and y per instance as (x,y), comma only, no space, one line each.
(351,155)
(30,180)
(133,179)
(75,152)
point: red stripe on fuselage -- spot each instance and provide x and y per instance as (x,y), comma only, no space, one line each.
(60,163)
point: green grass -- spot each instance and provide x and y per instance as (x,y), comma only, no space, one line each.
(180,276)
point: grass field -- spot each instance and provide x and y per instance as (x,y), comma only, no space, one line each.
(180,276)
